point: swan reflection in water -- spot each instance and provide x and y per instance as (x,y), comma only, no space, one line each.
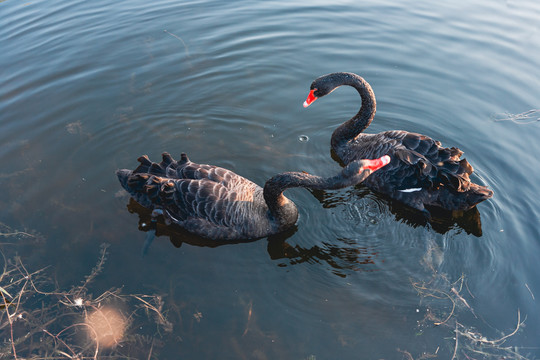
(441,220)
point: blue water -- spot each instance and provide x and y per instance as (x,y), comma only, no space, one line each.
(87,87)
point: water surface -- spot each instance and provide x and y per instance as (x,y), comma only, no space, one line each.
(90,86)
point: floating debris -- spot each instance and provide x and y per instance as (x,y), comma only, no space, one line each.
(526,117)
(74,128)
(303,138)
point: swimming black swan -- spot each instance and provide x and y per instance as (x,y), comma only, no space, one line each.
(218,204)
(421,172)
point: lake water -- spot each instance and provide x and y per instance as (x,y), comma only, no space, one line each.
(89,86)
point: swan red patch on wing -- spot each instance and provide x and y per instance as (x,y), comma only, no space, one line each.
(377,163)
(311,98)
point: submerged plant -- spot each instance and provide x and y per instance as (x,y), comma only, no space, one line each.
(39,321)
(446,304)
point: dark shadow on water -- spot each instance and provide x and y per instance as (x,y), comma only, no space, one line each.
(441,220)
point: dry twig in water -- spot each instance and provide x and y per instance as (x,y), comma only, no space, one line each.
(526,117)
(179,38)
(45,324)
(471,341)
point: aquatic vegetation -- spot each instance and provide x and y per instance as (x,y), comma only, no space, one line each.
(40,321)
(446,304)
(526,117)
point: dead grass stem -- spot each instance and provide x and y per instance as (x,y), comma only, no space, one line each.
(43,324)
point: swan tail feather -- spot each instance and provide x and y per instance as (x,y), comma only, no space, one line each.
(467,199)
(144,165)
(183,159)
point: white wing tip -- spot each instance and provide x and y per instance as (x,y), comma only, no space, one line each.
(410,190)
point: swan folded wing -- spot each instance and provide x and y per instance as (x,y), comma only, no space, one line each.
(203,207)
(185,169)
(134,185)
(211,209)
(144,165)
(190,198)
(433,165)
(211,230)
(420,143)
(164,168)
(210,172)
(199,198)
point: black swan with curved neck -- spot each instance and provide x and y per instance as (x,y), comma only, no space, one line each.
(218,204)
(421,172)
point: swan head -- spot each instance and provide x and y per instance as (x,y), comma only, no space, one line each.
(325,84)
(319,88)
(365,167)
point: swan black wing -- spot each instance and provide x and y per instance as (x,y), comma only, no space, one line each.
(204,199)
(186,169)
(418,161)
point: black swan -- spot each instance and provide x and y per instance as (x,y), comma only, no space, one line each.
(218,204)
(421,172)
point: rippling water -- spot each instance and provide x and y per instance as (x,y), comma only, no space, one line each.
(90,86)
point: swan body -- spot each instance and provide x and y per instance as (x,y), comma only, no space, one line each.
(218,204)
(422,172)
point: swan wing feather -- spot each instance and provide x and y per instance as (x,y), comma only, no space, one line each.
(418,161)
(205,199)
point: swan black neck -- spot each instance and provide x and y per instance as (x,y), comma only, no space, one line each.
(284,210)
(350,129)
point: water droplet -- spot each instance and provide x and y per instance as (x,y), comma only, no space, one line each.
(303,138)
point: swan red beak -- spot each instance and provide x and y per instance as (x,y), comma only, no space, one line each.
(311,98)
(376,164)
